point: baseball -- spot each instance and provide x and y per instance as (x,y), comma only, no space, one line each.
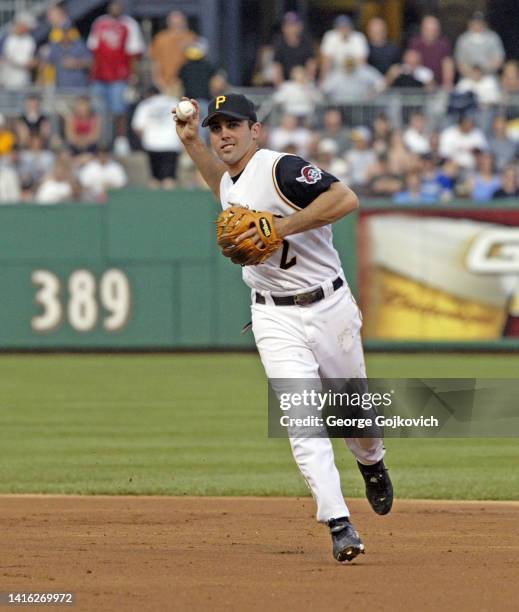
(185,110)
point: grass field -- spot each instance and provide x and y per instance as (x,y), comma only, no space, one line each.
(196,425)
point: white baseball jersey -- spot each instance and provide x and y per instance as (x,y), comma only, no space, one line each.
(305,260)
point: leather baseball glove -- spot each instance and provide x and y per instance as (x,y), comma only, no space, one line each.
(234,221)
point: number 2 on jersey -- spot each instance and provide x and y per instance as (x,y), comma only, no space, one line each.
(285,263)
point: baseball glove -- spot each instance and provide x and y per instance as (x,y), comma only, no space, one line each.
(234,221)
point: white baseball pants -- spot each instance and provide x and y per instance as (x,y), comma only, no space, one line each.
(321,340)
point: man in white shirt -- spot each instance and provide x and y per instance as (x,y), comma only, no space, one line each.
(416,138)
(299,95)
(58,187)
(484,86)
(18,54)
(340,43)
(459,142)
(353,83)
(290,135)
(10,191)
(100,174)
(360,157)
(152,123)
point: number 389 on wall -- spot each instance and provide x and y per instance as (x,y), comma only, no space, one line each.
(85,301)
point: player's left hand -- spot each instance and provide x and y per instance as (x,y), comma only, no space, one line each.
(254,235)
(247,237)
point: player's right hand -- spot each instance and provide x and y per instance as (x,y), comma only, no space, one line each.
(188,130)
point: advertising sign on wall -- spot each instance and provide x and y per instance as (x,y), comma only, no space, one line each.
(439,275)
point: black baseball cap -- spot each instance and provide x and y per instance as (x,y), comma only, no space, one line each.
(236,106)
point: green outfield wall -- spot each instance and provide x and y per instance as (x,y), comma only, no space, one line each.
(144,272)
(141,272)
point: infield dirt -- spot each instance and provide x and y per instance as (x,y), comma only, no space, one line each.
(188,553)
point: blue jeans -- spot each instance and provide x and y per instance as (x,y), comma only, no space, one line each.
(112,94)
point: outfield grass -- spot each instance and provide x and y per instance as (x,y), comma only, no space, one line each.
(196,425)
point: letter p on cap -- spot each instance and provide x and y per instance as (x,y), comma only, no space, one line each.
(219,101)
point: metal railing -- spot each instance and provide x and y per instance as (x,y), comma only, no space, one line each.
(54,104)
(397,105)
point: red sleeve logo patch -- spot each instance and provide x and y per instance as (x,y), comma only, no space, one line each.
(309,175)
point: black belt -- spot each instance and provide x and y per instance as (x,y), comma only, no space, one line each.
(301,299)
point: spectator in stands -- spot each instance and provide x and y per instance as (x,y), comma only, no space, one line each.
(416,138)
(298,96)
(431,186)
(413,192)
(512,129)
(459,142)
(434,140)
(293,48)
(435,51)
(410,73)
(219,84)
(196,74)
(100,174)
(510,79)
(152,123)
(289,132)
(59,21)
(382,52)
(10,191)
(328,159)
(58,186)
(360,157)
(116,42)
(32,122)
(341,43)
(7,137)
(447,176)
(83,128)
(503,148)
(479,46)
(509,184)
(265,70)
(382,130)
(34,163)
(484,86)
(352,83)
(333,129)
(17,59)
(381,182)
(9,182)
(484,182)
(167,50)
(70,58)
(399,157)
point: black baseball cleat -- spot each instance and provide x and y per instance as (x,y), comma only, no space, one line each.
(379,489)
(346,541)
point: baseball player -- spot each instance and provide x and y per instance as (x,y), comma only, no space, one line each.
(305,321)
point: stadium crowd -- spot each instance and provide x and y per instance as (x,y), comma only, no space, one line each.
(469,149)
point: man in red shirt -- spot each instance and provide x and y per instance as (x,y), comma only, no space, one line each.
(116,42)
(436,51)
